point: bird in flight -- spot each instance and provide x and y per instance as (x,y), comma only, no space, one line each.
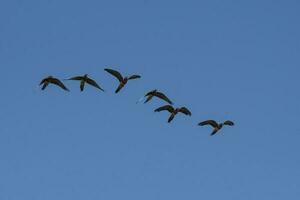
(173,111)
(215,125)
(50,79)
(155,93)
(123,81)
(85,79)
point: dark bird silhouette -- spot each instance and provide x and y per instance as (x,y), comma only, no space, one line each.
(155,93)
(173,111)
(123,81)
(215,125)
(85,79)
(50,79)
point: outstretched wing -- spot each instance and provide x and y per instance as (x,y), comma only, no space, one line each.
(166,107)
(134,77)
(58,83)
(229,123)
(93,83)
(163,97)
(213,123)
(77,78)
(115,74)
(185,111)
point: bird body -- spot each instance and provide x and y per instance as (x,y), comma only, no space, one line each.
(173,111)
(85,79)
(215,125)
(122,80)
(156,93)
(50,79)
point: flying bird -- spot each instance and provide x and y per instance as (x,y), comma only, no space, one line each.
(215,125)
(123,81)
(155,93)
(85,79)
(173,111)
(50,79)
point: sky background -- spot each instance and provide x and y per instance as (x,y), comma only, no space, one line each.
(235,60)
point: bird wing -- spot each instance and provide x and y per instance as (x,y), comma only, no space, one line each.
(115,74)
(43,81)
(228,122)
(119,88)
(185,111)
(214,131)
(82,84)
(166,107)
(213,123)
(163,97)
(58,83)
(93,83)
(134,77)
(150,93)
(171,117)
(149,97)
(77,78)
(45,85)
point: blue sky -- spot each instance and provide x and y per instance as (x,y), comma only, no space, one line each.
(235,60)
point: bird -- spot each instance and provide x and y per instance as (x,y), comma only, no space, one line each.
(50,79)
(156,93)
(85,79)
(173,111)
(123,81)
(215,125)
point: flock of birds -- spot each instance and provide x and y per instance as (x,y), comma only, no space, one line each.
(122,82)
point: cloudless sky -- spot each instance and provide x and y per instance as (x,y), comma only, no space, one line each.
(235,60)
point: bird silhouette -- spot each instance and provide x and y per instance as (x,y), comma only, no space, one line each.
(123,81)
(85,79)
(155,93)
(50,79)
(215,125)
(173,111)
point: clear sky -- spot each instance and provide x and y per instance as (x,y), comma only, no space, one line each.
(235,60)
